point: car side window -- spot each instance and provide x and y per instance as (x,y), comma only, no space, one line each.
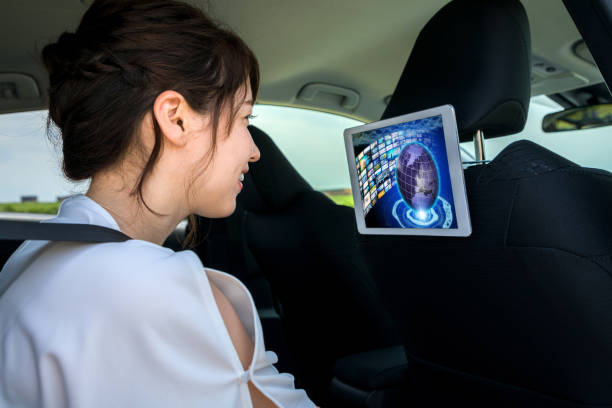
(311,140)
(34,183)
(30,163)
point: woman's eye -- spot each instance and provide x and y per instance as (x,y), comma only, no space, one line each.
(250,117)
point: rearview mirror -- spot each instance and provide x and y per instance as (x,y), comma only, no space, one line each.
(584,117)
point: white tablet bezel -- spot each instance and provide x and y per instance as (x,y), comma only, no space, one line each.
(451,139)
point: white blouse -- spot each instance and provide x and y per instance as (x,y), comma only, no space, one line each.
(128,324)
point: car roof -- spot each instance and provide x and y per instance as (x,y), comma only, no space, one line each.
(355,45)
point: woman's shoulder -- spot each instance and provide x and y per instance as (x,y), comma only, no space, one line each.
(130,259)
(132,264)
(133,277)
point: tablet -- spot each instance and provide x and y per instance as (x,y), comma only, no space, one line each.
(406,175)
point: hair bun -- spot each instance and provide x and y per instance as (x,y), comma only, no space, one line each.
(60,58)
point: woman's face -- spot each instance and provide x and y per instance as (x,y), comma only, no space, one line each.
(212,192)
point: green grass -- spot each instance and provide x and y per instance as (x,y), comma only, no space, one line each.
(37,208)
(342,199)
(51,208)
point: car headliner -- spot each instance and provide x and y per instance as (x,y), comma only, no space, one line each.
(359,45)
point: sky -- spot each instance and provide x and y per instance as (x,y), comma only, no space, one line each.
(312,141)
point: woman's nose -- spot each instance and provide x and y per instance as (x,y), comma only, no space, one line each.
(255,154)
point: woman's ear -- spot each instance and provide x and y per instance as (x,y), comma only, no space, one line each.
(170,110)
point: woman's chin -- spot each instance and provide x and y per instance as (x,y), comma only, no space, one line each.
(218,212)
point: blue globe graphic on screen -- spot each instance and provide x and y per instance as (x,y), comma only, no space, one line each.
(417,177)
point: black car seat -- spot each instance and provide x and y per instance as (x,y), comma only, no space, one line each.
(519,314)
(297,240)
(7,247)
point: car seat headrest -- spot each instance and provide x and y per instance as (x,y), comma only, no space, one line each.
(271,183)
(474,55)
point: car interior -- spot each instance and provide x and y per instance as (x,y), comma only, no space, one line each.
(517,314)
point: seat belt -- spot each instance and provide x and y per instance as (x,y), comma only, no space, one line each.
(29,230)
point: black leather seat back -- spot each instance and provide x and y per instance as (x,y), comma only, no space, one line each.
(7,247)
(519,313)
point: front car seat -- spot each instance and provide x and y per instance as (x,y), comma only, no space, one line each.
(519,313)
(305,247)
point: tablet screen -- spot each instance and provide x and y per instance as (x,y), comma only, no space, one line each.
(403,176)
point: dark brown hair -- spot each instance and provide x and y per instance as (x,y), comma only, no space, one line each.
(105,77)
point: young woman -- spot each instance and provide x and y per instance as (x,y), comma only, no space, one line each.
(153,101)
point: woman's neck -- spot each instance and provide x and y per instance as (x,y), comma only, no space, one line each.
(131,214)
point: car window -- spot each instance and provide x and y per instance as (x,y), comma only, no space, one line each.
(30,163)
(313,142)
(586,147)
